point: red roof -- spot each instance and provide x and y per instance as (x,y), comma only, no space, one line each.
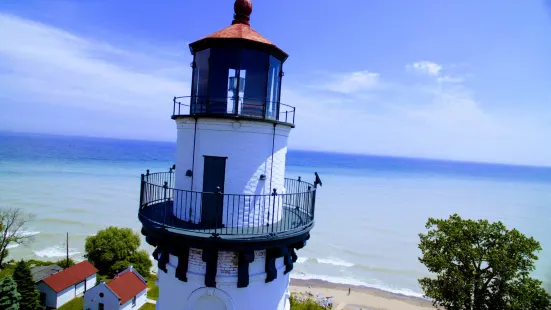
(239,31)
(126,286)
(70,276)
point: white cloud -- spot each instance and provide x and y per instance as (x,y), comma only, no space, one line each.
(426,67)
(43,65)
(450,79)
(353,82)
(432,119)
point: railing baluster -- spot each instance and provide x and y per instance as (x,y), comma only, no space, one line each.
(142,184)
(256,219)
(165,187)
(274,194)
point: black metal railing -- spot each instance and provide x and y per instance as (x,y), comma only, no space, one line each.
(219,214)
(238,106)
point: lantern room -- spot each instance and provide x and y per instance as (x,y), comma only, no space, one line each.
(238,72)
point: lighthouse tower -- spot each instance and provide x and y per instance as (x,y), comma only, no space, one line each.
(224,220)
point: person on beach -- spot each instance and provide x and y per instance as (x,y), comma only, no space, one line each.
(349,291)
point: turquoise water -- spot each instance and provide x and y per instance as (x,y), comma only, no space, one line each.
(368,214)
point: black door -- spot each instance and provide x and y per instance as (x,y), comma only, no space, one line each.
(214,176)
(43,299)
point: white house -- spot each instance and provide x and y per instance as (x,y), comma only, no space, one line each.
(126,291)
(67,284)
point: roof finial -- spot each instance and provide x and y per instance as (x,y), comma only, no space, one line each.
(243,10)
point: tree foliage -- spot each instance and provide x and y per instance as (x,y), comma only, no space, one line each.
(113,249)
(304,304)
(480,265)
(9,297)
(12,222)
(64,263)
(30,297)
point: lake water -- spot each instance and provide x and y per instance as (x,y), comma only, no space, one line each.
(369,211)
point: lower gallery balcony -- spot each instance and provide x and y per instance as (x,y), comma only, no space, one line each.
(227,216)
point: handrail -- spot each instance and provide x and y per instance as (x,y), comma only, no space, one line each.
(228,215)
(238,106)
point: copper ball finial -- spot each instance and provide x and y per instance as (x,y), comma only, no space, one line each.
(243,10)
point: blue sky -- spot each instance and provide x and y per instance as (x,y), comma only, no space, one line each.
(466,80)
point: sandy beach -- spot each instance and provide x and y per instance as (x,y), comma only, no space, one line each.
(360,297)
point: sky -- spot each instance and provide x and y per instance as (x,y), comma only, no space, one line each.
(458,79)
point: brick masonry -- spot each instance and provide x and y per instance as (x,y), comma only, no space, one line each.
(227,263)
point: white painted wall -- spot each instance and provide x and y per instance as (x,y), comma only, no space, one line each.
(79,289)
(92,298)
(91,281)
(140,301)
(248,148)
(258,295)
(51,295)
(65,296)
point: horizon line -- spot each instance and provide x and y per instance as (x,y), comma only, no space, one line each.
(2,131)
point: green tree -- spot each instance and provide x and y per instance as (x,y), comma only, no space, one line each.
(30,297)
(113,249)
(9,297)
(480,265)
(64,263)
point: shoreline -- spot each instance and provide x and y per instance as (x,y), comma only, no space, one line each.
(361,297)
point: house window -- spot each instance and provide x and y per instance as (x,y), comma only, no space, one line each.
(134,301)
(101,306)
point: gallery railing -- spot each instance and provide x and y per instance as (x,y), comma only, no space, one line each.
(248,107)
(286,211)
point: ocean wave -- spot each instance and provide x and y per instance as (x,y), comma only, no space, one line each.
(55,221)
(12,245)
(342,263)
(328,261)
(22,233)
(55,251)
(75,210)
(28,233)
(302,260)
(25,233)
(335,262)
(355,282)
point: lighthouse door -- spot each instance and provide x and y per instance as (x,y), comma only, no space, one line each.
(214,175)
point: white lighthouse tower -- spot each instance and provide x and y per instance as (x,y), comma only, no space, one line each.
(224,220)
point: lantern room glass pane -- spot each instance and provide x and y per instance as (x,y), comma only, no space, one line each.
(272,98)
(199,93)
(255,65)
(224,65)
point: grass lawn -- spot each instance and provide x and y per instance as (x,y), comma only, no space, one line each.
(75,304)
(153,292)
(148,306)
